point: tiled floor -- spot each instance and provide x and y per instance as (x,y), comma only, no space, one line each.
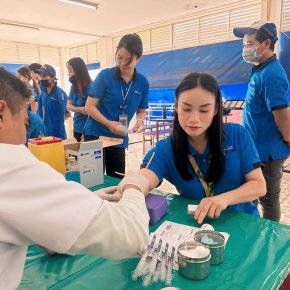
(134,157)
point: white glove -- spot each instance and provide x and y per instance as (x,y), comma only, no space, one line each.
(110,193)
(136,179)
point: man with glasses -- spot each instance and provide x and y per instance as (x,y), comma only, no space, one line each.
(266,112)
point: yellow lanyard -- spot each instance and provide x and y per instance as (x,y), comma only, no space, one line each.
(208,188)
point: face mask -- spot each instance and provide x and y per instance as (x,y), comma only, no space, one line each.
(72,79)
(31,83)
(249,54)
(45,83)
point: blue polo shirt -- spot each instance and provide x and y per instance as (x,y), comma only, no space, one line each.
(54,105)
(107,87)
(80,119)
(241,157)
(36,127)
(267,91)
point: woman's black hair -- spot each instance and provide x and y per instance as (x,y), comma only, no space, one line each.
(25,72)
(82,75)
(214,132)
(133,44)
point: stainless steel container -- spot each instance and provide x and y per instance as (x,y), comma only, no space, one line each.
(217,249)
(191,266)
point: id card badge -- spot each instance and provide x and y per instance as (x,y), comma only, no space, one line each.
(123,119)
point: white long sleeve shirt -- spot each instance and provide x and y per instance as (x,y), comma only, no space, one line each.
(38,206)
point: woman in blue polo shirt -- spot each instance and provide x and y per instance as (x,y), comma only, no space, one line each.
(115,96)
(206,160)
(81,81)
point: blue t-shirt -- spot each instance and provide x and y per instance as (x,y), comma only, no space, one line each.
(36,127)
(107,87)
(241,157)
(267,91)
(79,101)
(54,106)
(36,94)
(35,97)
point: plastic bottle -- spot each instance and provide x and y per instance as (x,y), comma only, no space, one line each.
(164,112)
(72,170)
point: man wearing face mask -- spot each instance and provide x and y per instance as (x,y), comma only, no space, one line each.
(267,113)
(54,101)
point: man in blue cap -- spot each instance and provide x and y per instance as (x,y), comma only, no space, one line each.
(266,113)
(54,101)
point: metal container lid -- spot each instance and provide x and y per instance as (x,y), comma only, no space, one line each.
(201,255)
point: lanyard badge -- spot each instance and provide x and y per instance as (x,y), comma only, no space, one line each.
(124,97)
(123,118)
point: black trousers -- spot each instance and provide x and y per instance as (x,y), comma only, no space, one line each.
(113,157)
(78,136)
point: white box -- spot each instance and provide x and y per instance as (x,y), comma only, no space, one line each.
(90,158)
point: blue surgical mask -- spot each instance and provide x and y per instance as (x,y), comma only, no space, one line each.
(249,54)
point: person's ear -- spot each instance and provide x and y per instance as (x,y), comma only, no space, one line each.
(267,43)
(2,110)
(2,106)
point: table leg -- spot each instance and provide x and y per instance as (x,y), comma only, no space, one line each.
(157,131)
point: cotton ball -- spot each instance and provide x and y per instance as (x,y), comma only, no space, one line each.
(207,240)
(207,227)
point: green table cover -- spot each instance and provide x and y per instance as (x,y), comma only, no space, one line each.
(257,256)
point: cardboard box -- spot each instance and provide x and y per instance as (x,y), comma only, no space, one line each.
(90,158)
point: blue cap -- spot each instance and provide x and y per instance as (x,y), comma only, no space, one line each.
(267,27)
(47,70)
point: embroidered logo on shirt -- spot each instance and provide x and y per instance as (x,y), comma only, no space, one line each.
(229,148)
(136,92)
